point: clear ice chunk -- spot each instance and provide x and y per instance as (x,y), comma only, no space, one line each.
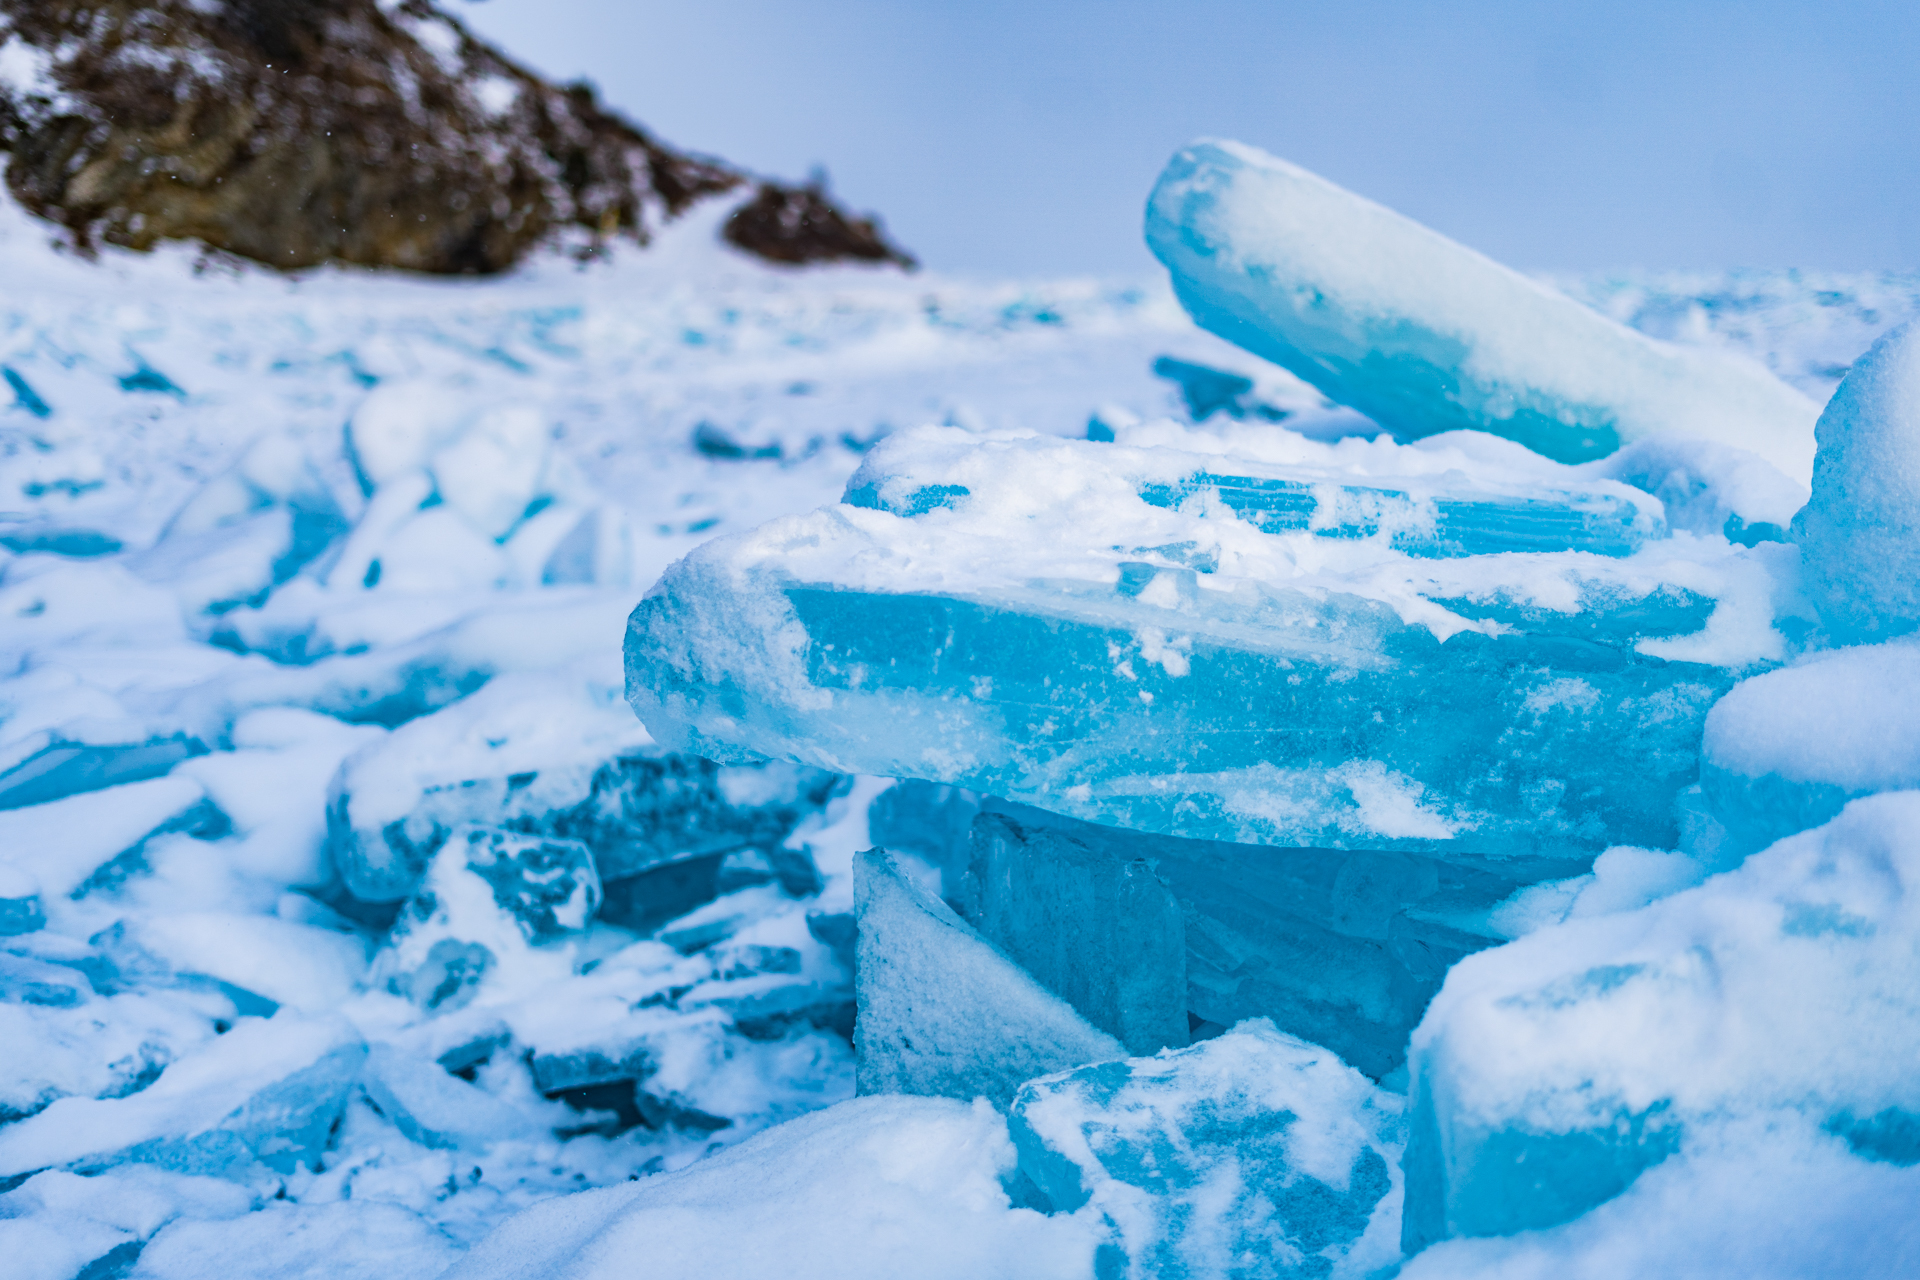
(1858,533)
(435,1108)
(1550,1073)
(1149,936)
(1252,1154)
(1054,638)
(56,768)
(1088,918)
(1424,335)
(942,1012)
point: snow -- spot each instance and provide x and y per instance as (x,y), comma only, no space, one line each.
(1866,484)
(876,1187)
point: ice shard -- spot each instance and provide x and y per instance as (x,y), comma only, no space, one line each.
(1150,936)
(1054,629)
(267,1092)
(944,1014)
(1424,335)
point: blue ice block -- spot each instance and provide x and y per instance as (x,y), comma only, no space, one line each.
(1055,638)
(1424,335)
(942,1012)
(1150,936)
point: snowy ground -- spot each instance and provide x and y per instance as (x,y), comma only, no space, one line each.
(215,591)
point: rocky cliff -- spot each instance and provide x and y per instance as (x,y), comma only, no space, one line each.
(298,132)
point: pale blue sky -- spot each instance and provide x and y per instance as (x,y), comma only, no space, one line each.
(996,136)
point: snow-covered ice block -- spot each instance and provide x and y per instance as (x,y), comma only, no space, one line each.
(487,898)
(59,1226)
(76,1026)
(1768,1201)
(1252,1154)
(872,1189)
(435,1108)
(552,756)
(1146,935)
(272,786)
(1550,1073)
(749,1024)
(267,1092)
(346,1240)
(25,980)
(548,886)
(1858,534)
(47,767)
(308,968)
(1051,636)
(944,1014)
(1424,335)
(20,907)
(1785,750)
(62,842)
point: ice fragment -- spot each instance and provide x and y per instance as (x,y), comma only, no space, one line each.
(944,1014)
(1426,336)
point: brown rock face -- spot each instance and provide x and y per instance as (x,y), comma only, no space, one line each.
(297,132)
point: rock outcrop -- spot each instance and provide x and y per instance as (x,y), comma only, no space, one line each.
(299,132)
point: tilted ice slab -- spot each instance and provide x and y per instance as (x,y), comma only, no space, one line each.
(1424,335)
(1049,621)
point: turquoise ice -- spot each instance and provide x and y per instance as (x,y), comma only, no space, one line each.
(1425,335)
(1063,628)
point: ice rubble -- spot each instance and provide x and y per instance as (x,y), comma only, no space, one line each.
(1322,724)
(312,758)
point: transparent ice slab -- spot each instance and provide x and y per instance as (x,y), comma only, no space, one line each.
(1154,938)
(1424,335)
(1047,634)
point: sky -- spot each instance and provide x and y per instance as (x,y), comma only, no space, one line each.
(1000,137)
